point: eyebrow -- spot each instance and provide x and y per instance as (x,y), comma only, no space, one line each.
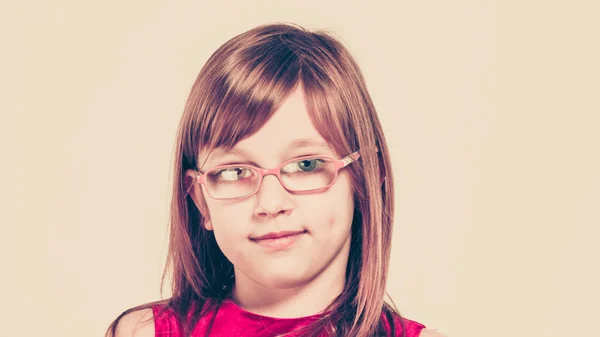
(295,144)
(299,143)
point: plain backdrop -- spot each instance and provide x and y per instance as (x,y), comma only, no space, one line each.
(491,110)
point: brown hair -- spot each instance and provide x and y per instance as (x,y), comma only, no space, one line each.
(237,91)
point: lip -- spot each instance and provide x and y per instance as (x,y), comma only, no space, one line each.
(280,240)
(277,235)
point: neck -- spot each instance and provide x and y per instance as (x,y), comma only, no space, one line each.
(302,300)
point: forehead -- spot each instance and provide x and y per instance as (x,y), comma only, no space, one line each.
(290,121)
(288,129)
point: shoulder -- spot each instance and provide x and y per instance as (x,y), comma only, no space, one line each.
(139,323)
(431,333)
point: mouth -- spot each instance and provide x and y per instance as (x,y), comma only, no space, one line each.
(279,240)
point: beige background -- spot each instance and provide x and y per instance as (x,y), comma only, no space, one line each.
(491,109)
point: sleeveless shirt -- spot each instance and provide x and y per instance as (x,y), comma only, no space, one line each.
(232,320)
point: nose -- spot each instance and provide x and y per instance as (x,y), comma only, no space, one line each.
(272,198)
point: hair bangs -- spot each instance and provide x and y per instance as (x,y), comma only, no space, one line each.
(253,85)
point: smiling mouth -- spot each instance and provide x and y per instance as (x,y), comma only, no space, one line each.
(279,241)
(277,235)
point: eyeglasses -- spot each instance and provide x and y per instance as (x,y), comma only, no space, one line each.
(304,174)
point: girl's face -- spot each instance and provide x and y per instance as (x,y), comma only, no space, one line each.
(323,219)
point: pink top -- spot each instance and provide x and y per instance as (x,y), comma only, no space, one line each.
(232,320)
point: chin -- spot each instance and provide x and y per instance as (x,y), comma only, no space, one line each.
(284,279)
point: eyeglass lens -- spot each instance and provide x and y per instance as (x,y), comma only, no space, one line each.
(237,181)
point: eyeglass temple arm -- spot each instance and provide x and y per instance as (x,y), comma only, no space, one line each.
(353,157)
(350,158)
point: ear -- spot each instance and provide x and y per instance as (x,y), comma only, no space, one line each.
(208,224)
(195,192)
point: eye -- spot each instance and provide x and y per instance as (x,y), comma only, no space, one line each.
(307,165)
(231,174)
(304,165)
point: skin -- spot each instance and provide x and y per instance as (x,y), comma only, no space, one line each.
(298,282)
(301,280)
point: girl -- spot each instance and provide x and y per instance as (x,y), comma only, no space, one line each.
(281,219)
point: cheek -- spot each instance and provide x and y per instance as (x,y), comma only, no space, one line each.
(331,212)
(230,226)
(229,221)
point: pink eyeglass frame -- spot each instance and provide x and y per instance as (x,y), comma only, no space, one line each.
(276,171)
